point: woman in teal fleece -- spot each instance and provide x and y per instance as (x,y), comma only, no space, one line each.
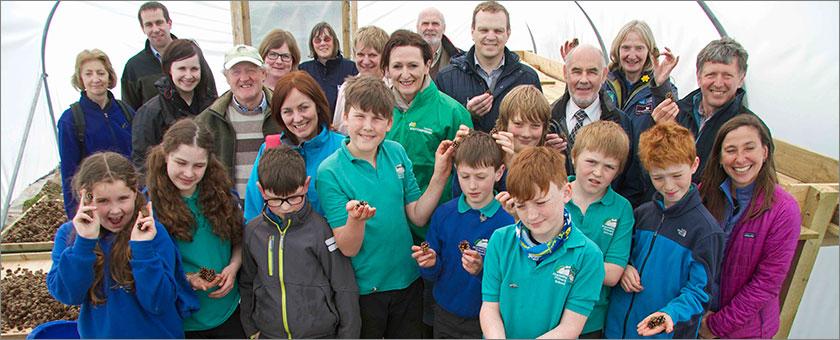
(116,261)
(191,191)
(300,108)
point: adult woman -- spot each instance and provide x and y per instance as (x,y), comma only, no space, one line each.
(368,43)
(423,116)
(300,108)
(116,261)
(81,127)
(190,189)
(740,188)
(185,90)
(281,54)
(328,67)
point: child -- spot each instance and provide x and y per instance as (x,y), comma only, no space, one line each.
(677,247)
(116,261)
(369,194)
(605,217)
(191,190)
(310,291)
(541,275)
(470,218)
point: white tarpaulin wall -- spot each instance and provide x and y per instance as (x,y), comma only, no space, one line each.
(792,80)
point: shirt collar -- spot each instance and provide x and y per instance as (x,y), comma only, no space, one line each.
(478,66)
(260,108)
(590,111)
(155,52)
(487,211)
(607,199)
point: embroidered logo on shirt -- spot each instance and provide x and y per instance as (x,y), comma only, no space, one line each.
(681,231)
(481,246)
(564,274)
(413,127)
(400,169)
(609,226)
(331,246)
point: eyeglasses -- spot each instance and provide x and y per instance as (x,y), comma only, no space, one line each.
(318,40)
(277,202)
(284,57)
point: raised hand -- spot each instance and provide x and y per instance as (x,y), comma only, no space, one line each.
(86,220)
(443,158)
(506,201)
(567,47)
(144,227)
(662,70)
(554,141)
(358,211)
(667,110)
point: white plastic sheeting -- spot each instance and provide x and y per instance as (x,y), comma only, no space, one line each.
(792,80)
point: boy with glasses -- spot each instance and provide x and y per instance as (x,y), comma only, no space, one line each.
(291,262)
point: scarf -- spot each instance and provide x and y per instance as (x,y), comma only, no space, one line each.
(536,251)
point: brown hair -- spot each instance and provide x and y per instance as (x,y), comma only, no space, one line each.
(713,175)
(109,167)
(666,144)
(492,7)
(368,93)
(150,6)
(275,39)
(88,55)
(405,38)
(538,166)
(527,103)
(303,82)
(214,196)
(281,170)
(180,49)
(479,149)
(605,137)
(323,26)
(371,36)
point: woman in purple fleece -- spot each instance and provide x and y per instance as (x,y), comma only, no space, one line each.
(761,220)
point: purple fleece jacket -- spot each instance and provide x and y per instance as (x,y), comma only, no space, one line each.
(758,256)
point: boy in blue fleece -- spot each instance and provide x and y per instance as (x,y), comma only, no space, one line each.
(677,246)
(470,219)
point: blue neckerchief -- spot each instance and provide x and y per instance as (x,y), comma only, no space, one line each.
(536,251)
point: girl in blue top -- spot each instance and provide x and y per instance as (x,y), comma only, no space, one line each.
(116,261)
(192,195)
(300,108)
(107,125)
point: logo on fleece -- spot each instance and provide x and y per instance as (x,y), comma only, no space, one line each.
(413,127)
(481,246)
(400,169)
(609,226)
(564,274)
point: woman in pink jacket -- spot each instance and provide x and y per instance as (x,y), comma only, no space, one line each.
(740,188)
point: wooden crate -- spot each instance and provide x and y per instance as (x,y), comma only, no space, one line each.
(21,247)
(32,261)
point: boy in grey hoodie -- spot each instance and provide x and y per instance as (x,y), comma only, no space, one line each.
(294,282)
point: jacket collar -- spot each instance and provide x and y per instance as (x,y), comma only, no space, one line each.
(296,218)
(608,108)
(314,143)
(219,107)
(689,202)
(728,110)
(148,47)
(465,62)
(89,104)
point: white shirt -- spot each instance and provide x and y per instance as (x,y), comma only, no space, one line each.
(593,113)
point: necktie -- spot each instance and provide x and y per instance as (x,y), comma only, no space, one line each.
(580,115)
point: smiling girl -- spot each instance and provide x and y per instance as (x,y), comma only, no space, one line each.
(191,190)
(116,261)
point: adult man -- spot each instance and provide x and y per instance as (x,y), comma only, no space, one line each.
(143,69)
(721,69)
(480,78)
(432,26)
(241,117)
(584,102)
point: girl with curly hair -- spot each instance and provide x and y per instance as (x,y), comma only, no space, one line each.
(116,261)
(191,191)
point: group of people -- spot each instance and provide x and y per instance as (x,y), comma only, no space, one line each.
(317,199)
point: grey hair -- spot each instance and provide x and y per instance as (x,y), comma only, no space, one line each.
(721,51)
(601,63)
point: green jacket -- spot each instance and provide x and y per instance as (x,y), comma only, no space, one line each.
(216,119)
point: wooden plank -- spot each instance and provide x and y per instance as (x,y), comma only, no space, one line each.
(805,165)
(23,247)
(832,236)
(31,261)
(354,17)
(550,67)
(345,28)
(807,234)
(240,19)
(818,210)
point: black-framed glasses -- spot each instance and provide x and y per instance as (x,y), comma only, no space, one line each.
(277,202)
(284,57)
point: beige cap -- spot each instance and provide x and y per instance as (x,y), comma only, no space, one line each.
(240,53)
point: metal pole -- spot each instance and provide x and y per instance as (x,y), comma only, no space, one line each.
(718,26)
(597,34)
(44,71)
(11,188)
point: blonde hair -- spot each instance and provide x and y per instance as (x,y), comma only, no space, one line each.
(527,103)
(605,137)
(88,55)
(643,30)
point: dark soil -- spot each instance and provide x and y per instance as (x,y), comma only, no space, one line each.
(27,302)
(39,224)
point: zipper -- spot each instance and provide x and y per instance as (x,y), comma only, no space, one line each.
(641,269)
(271,256)
(280,272)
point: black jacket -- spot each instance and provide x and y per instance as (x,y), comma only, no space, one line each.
(142,71)
(331,75)
(460,81)
(628,183)
(157,115)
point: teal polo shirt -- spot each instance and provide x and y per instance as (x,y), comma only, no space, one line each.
(609,223)
(431,118)
(531,296)
(210,251)
(384,261)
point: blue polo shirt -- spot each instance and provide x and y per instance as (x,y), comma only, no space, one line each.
(384,261)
